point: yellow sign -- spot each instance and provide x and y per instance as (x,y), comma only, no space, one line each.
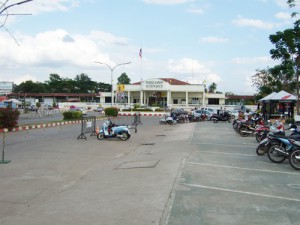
(120,87)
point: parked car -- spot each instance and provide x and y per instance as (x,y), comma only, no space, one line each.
(234,114)
(98,109)
(179,111)
(199,112)
(81,109)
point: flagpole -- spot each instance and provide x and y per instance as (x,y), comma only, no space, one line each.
(141,74)
(141,62)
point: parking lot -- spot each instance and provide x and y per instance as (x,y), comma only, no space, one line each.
(191,173)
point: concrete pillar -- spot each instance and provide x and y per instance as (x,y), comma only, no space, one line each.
(128,97)
(186,98)
(141,97)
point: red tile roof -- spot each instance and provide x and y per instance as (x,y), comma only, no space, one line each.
(171,81)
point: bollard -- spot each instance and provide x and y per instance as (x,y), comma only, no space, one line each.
(3,149)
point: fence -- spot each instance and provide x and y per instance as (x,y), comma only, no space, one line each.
(131,120)
(88,125)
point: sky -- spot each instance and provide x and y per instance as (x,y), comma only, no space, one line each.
(196,41)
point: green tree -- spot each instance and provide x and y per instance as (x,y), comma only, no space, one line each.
(212,88)
(229,93)
(287,50)
(84,84)
(124,79)
(30,87)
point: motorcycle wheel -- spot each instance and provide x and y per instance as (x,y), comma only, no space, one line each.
(243,134)
(229,120)
(124,136)
(274,155)
(294,159)
(214,120)
(260,150)
(100,135)
(260,136)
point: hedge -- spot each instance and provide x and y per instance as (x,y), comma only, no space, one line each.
(111,111)
(69,115)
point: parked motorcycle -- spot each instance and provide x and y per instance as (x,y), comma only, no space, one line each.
(245,128)
(282,147)
(110,130)
(294,157)
(275,139)
(167,119)
(262,131)
(221,117)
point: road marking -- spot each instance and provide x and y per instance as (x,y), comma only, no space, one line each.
(242,145)
(241,192)
(243,168)
(229,153)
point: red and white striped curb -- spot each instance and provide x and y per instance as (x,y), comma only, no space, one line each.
(141,114)
(45,125)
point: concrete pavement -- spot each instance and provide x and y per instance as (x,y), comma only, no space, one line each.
(56,179)
(187,174)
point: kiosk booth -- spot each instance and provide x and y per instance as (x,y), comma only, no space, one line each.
(276,105)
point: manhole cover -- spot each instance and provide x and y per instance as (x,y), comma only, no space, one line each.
(148,143)
(139,164)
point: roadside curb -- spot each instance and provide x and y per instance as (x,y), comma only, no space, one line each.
(44,125)
(141,114)
(51,124)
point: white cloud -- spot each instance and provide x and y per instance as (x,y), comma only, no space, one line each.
(195,10)
(244,22)
(167,2)
(255,60)
(213,40)
(193,71)
(105,38)
(283,16)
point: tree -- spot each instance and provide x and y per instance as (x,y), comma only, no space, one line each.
(212,88)
(229,94)
(84,84)
(287,50)
(30,87)
(123,79)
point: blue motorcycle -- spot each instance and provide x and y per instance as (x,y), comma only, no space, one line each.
(110,130)
(281,147)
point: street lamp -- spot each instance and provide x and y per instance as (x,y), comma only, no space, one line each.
(111,71)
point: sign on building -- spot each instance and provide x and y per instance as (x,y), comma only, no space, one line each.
(6,87)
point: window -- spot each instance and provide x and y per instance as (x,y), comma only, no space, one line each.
(175,101)
(213,101)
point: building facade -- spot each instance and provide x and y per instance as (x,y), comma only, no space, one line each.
(162,92)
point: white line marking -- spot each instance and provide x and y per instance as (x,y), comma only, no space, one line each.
(228,153)
(222,144)
(243,168)
(241,192)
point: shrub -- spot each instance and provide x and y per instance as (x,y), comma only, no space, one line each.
(69,115)
(8,118)
(111,111)
(159,110)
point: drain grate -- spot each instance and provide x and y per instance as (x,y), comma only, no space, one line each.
(160,135)
(148,144)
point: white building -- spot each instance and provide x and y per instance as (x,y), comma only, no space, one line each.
(163,92)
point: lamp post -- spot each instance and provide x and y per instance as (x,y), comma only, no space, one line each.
(111,74)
